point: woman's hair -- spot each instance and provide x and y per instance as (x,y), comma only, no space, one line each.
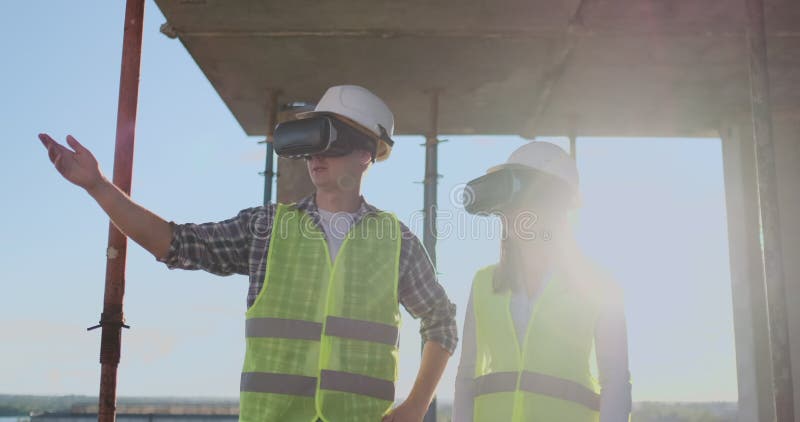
(506,275)
(570,262)
(557,195)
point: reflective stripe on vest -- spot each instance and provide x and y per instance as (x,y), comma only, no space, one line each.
(496,382)
(283,328)
(559,388)
(308,330)
(298,385)
(263,382)
(361,330)
(546,385)
(356,384)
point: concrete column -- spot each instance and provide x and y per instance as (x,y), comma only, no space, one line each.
(786,140)
(294,183)
(753,360)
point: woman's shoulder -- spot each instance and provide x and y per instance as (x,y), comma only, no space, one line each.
(597,281)
(483,277)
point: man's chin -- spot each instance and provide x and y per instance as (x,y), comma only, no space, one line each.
(322,183)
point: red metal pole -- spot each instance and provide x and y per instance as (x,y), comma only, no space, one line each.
(774,278)
(112,319)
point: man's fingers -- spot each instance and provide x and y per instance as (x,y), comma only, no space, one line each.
(46,139)
(49,143)
(57,163)
(57,152)
(75,144)
(52,152)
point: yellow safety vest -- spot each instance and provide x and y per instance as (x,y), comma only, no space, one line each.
(549,378)
(322,336)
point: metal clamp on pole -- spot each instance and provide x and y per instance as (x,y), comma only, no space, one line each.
(114,320)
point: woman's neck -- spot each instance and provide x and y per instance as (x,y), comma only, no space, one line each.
(339,200)
(537,260)
(533,274)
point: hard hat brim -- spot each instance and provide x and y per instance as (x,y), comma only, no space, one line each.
(510,166)
(523,167)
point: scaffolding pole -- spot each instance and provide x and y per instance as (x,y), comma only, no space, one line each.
(573,138)
(770,220)
(269,165)
(573,147)
(429,200)
(112,320)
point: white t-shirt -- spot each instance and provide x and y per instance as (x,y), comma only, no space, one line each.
(336,226)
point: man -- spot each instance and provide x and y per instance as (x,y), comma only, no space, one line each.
(326,274)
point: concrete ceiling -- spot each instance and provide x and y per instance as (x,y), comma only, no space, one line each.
(530,67)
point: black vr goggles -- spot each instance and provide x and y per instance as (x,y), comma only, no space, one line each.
(323,135)
(498,190)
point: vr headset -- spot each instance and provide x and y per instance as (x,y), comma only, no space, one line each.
(323,135)
(500,189)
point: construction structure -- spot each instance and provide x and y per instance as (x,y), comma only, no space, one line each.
(645,68)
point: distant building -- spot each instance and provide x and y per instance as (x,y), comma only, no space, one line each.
(126,417)
(148,413)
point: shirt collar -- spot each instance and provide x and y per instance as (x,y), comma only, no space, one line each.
(309,205)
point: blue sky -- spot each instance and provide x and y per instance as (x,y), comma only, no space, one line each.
(653,215)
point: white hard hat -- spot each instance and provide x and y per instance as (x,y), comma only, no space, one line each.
(362,109)
(545,157)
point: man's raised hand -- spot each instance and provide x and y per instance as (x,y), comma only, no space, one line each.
(78,166)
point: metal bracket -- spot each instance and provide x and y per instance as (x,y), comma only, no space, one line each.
(168,30)
(422,182)
(438,141)
(115,320)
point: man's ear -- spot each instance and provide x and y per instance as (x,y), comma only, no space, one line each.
(365,157)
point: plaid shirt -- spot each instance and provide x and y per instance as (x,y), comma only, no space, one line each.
(239,246)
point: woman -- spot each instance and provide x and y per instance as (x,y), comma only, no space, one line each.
(537,319)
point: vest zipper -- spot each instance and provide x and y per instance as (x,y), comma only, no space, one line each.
(522,353)
(323,344)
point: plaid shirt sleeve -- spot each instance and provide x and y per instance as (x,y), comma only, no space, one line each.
(221,248)
(423,296)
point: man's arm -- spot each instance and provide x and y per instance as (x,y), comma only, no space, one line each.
(424,298)
(434,360)
(140,224)
(80,167)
